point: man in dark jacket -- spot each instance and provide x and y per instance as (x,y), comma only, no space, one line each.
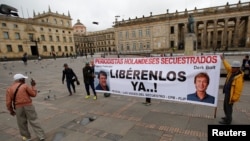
(88,77)
(70,76)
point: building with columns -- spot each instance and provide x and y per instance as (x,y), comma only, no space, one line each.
(216,28)
(44,34)
(93,42)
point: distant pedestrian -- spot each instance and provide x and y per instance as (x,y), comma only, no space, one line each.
(25,58)
(54,55)
(232,88)
(19,104)
(88,78)
(246,67)
(70,76)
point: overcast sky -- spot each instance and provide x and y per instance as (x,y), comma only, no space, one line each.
(104,11)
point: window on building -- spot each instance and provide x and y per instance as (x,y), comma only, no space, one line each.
(31,36)
(66,48)
(57,38)
(141,46)
(15,25)
(140,33)
(71,49)
(45,49)
(52,48)
(6,35)
(17,36)
(50,38)
(147,32)
(172,44)
(133,34)
(55,21)
(49,30)
(59,48)
(61,22)
(42,38)
(70,39)
(4,25)
(148,45)
(41,28)
(127,34)
(172,29)
(9,48)
(20,48)
(128,46)
(64,39)
(134,46)
(120,35)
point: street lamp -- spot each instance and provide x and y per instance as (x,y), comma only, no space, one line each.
(116,22)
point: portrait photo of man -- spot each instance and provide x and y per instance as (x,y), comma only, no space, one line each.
(102,85)
(201,82)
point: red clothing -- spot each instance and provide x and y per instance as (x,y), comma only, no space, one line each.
(23,95)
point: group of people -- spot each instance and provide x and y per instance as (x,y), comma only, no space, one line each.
(19,94)
(88,79)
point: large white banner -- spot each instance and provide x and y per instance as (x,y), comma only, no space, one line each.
(192,79)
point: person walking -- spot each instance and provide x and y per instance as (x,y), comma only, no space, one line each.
(232,88)
(246,67)
(88,78)
(71,77)
(19,104)
(25,58)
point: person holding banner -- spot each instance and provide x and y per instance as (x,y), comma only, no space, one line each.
(88,78)
(102,76)
(201,81)
(232,88)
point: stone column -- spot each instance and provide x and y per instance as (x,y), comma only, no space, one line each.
(225,38)
(209,40)
(215,35)
(248,33)
(230,38)
(236,32)
(204,42)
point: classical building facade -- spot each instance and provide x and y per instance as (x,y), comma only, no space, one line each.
(216,28)
(93,42)
(42,35)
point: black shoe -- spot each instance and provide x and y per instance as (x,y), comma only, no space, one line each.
(225,122)
(224,118)
(74,91)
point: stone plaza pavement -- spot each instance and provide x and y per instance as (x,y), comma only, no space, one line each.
(117,118)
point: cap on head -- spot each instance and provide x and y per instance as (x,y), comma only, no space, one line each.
(19,76)
(236,64)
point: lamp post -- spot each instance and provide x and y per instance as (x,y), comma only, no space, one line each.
(117,46)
